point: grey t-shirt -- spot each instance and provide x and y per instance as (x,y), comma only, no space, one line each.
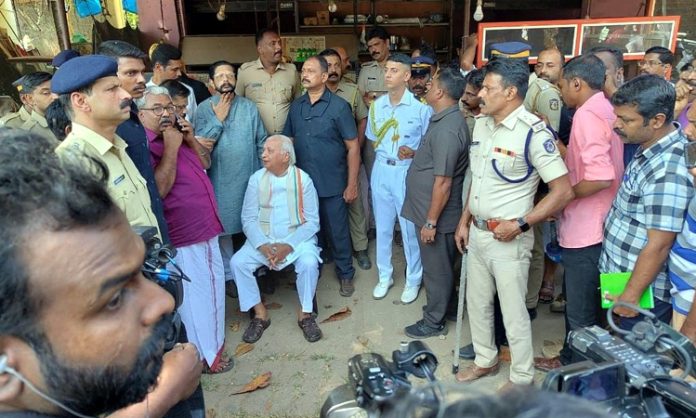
(443,152)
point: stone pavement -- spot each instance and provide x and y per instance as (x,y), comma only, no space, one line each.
(303,373)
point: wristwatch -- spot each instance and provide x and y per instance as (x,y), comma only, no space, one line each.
(524,226)
(428,225)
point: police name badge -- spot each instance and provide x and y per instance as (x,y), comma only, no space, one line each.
(549,146)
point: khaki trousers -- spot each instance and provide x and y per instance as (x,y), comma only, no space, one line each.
(357,223)
(536,268)
(501,267)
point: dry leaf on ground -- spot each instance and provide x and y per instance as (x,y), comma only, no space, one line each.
(259,382)
(342,313)
(235,325)
(242,349)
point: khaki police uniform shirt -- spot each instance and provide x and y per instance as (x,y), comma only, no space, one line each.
(349,92)
(272,93)
(38,124)
(544,98)
(470,120)
(493,197)
(125,184)
(349,77)
(15,119)
(371,78)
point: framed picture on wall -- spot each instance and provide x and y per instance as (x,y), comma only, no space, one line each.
(632,36)
(539,35)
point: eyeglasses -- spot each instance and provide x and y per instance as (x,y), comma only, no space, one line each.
(649,63)
(159,110)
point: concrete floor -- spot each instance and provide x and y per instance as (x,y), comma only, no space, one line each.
(304,373)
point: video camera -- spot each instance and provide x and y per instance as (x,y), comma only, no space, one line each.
(629,373)
(157,258)
(374,382)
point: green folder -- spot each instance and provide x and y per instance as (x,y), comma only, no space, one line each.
(615,283)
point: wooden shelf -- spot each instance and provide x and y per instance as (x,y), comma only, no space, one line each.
(350,25)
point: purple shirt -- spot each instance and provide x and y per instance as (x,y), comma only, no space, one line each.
(190,207)
(682,119)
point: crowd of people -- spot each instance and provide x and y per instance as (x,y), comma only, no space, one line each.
(260,170)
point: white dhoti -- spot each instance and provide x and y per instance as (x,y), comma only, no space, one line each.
(388,185)
(203,308)
(305,258)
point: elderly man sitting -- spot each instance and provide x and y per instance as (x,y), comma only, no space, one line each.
(280,218)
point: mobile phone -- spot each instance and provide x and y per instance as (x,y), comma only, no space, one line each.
(690,149)
(177,125)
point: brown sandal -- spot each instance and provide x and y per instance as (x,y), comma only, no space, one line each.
(223,365)
(546,293)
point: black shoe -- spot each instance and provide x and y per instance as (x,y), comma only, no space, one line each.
(467,352)
(363,260)
(347,288)
(422,330)
(310,329)
(255,330)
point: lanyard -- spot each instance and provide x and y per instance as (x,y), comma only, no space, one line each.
(530,169)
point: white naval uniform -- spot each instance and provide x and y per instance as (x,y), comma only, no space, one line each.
(388,180)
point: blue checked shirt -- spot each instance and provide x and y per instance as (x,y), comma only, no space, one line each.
(654,194)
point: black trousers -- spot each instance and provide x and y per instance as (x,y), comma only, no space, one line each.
(333,216)
(438,276)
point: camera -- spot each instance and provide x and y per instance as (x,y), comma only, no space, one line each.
(375,383)
(158,257)
(630,373)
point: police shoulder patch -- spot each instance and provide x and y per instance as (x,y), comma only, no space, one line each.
(554,104)
(549,146)
(531,120)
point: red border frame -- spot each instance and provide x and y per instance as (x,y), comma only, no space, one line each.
(578,23)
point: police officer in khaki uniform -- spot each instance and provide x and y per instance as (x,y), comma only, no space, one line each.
(544,98)
(511,151)
(40,97)
(421,74)
(347,73)
(348,91)
(269,82)
(371,77)
(18,118)
(371,81)
(95,116)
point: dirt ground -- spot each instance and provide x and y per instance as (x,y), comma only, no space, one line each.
(304,373)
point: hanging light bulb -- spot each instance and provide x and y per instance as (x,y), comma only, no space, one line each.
(478,14)
(332,6)
(221,13)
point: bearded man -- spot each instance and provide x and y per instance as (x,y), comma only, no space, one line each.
(235,135)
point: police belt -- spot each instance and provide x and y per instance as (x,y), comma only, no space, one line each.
(485,224)
(393,162)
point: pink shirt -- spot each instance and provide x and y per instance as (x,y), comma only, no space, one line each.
(190,208)
(595,153)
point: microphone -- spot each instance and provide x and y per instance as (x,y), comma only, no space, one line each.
(4,368)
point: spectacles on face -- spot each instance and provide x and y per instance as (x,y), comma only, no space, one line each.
(159,110)
(650,64)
